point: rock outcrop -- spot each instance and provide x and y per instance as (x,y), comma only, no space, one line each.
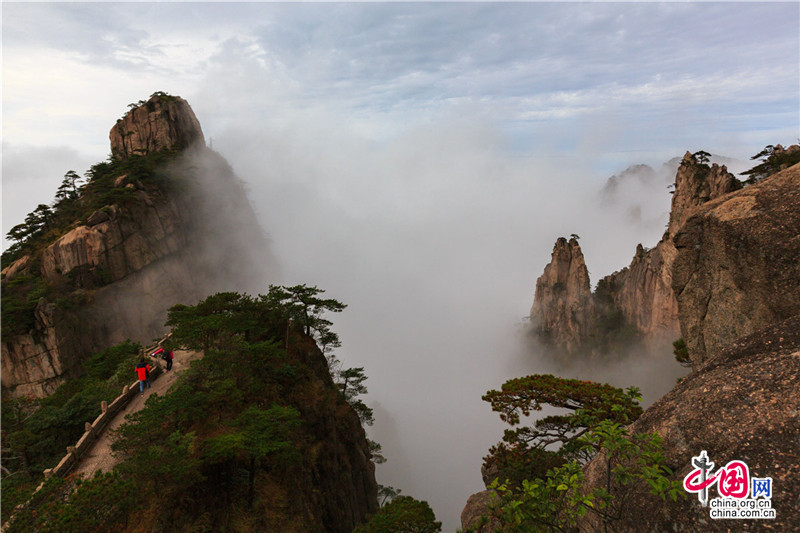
(162,122)
(635,303)
(643,292)
(696,184)
(475,516)
(562,305)
(112,276)
(741,404)
(737,268)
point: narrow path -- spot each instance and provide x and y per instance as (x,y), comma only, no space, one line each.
(99,457)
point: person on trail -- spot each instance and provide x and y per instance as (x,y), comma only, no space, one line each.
(168,357)
(142,370)
(165,354)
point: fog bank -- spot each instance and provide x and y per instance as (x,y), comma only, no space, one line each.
(434,239)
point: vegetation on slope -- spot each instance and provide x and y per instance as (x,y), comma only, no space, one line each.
(538,471)
(403,514)
(75,200)
(773,159)
(241,442)
(35,433)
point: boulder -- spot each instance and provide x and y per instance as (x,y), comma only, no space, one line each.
(475,516)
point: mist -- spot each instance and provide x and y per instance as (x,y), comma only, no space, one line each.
(434,239)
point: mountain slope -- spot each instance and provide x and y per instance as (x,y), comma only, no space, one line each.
(165,220)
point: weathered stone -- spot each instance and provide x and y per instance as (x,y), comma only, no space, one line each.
(20,267)
(562,305)
(476,514)
(737,268)
(162,122)
(96,218)
(696,184)
(742,404)
(643,292)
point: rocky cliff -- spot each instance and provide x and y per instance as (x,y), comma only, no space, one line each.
(736,277)
(636,303)
(162,122)
(737,268)
(741,404)
(166,221)
(563,305)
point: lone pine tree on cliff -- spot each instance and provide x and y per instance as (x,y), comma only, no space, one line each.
(538,469)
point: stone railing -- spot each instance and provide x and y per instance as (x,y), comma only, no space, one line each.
(95,429)
(108,411)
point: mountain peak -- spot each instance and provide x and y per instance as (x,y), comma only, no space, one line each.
(162,122)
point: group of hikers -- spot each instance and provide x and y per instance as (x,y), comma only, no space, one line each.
(142,368)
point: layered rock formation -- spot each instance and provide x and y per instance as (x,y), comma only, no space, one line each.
(190,232)
(636,302)
(737,268)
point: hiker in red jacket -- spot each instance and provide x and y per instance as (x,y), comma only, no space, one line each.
(143,373)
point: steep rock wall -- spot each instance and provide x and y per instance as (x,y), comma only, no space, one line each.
(741,404)
(737,268)
(638,298)
(696,184)
(128,263)
(562,304)
(161,122)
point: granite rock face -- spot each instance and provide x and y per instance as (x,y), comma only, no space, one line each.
(474,517)
(162,122)
(128,263)
(741,404)
(643,292)
(562,305)
(696,184)
(737,268)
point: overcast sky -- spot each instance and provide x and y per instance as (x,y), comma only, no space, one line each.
(417,160)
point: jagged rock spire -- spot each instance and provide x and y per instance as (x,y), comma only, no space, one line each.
(562,302)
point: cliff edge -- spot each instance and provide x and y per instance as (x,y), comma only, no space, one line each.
(737,268)
(164,221)
(635,304)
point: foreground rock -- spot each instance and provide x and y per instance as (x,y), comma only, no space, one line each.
(738,264)
(742,404)
(474,517)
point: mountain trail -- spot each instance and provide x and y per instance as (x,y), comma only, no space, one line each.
(100,456)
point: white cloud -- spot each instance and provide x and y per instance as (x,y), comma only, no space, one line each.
(416,160)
